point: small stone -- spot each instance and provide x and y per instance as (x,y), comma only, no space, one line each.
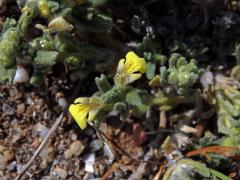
(48,153)
(89,161)
(12,166)
(20,108)
(62,102)
(40,129)
(3,162)
(21,75)
(101,169)
(181,140)
(76,148)
(2,148)
(43,164)
(47,178)
(46,114)
(73,137)
(39,104)
(96,145)
(60,172)
(88,176)
(30,101)
(9,154)
(7,109)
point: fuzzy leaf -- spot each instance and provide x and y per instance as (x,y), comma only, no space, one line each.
(151,67)
(237,52)
(46,58)
(6,75)
(133,98)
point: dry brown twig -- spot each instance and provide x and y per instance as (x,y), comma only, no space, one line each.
(40,147)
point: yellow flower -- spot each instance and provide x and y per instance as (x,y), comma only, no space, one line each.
(85,109)
(127,69)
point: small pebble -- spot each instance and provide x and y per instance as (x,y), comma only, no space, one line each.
(21,75)
(43,164)
(96,145)
(12,166)
(20,108)
(30,101)
(60,172)
(9,154)
(73,137)
(62,102)
(7,109)
(3,162)
(48,153)
(88,176)
(40,129)
(76,148)
(89,161)
(2,148)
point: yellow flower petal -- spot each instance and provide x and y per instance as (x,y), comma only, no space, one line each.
(127,69)
(134,64)
(133,77)
(85,107)
(120,79)
(94,102)
(120,67)
(92,114)
(79,113)
(82,100)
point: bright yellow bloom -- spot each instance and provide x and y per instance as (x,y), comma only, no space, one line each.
(127,69)
(85,109)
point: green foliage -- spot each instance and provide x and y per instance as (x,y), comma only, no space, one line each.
(102,83)
(166,102)
(152,54)
(190,50)
(78,55)
(86,16)
(6,75)
(179,73)
(226,98)
(232,140)
(228,105)
(187,169)
(237,54)
(48,49)
(113,95)
(133,98)
(11,35)
(85,48)
(91,18)
(122,108)
(9,43)
(45,58)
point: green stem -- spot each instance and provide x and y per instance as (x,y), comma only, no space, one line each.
(173,100)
